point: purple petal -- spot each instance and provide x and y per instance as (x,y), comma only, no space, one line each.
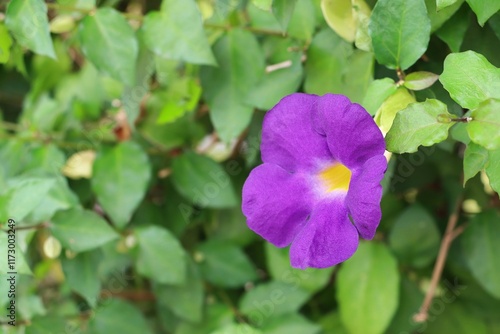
(352,135)
(364,195)
(328,238)
(288,137)
(276,203)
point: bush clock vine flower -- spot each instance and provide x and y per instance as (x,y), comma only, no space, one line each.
(318,188)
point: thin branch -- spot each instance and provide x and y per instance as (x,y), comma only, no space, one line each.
(449,235)
(30,227)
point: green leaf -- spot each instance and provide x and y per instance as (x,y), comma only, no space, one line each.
(18,200)
(327,57)
(80,273)
(269,300)
(438,17)
(470,78)
(109,42)
(475,158)
(415,238)
(419,124)
(161,256)
(484,129)
(453,31)
(237,328)
(184,300)
(357,75)
(283,10)
(203,181)
(224,264)
(400,32)
(410,299)
(27,20)
(377,92)
(342,16)
(292,323)
(5,44)
(481,244)
(420,80)
(303,21)
(80,230)
(392,105)
(458,319)
(120,178)
(368,286)
(484,9)
(440,4)
(176,32)
(117,316)
(493,170)
(47,325)
(21,265)
(276,84)
(227,87)
(310,279)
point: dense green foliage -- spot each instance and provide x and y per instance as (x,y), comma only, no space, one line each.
(128,128)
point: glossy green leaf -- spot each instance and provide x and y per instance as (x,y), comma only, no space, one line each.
(419,124)
(303,21)
(440,4)
(161,256)
(493,170)
(392,105)
(481,244)
(475,158)
(310,279)
(357,76)
(377,92)
(439,17)
(109,42)
(27,20)
(368,286)
(277,84)
(415,238)
(120,178)
(5,44)
(343,16)
(226,88)
(185,300)
(420,80)
(470,78)
(176,32)
(453,31)
(327,58)
(291,324)
(18,201)
(80,274)
(47,324)
(484,129)
(224,264)
(269,300)
(118,316)
(283,10)
(400,32)
(202,181)
(81,230)
(20,265)
(456,318)
(484,9)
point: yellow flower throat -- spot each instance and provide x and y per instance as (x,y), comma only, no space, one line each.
(335,177)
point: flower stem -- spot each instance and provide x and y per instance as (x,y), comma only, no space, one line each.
(450,234)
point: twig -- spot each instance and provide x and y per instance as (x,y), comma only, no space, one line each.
(31,227)
(449,235)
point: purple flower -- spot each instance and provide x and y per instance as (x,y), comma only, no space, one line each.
(319,186)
